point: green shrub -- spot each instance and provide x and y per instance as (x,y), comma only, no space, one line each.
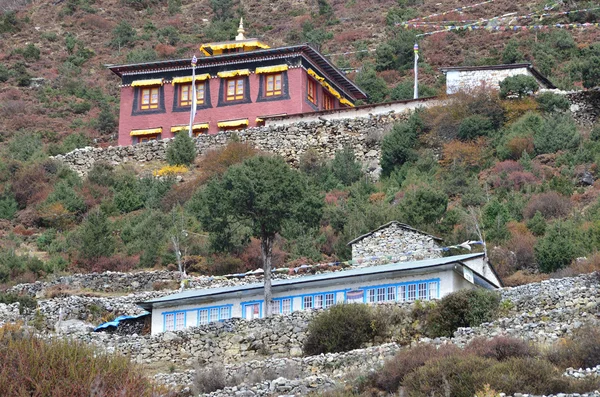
(474,126)
(511,53)
(561,244)
(168,35)
(558,132)
(139,55)
(106,122)
(465,308)
(4,73)
(550,102)
(519,86)
(25,146)
(12,266)
(590,72)
(63,193)
(123,35)
(21,75)
(398,147)
(26,302)
(9,22)
(374,86)
(595,134)
(66,368)
(537,224)
(8,206)
(341,328)
(102,174)
(31,52)
(95,236)
(181,150)
(423,206)
(345,167)
(405,90)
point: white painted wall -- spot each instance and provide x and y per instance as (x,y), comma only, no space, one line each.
(357,112)
(457,80)
(449,281)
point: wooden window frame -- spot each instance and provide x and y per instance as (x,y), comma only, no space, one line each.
(148,138)
(237,96)
(185,89)
(311,91)
(153,92)
(328,102)
(273,78)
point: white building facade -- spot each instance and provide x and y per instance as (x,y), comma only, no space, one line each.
(466,78)
(397,282)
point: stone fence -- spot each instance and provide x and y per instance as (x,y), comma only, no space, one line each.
(289,141)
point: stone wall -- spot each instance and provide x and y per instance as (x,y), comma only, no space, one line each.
(289,141)
(585,106)
(397,241)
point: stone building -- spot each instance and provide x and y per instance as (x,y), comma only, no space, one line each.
(464,78)
(398,241)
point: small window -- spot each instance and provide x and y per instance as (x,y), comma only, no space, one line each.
(318,301)
(433,289)
(308,302)
(329,300)
(391,293)
(203,319)
(169,322)
(422,291)
(275,307)
(328,103)
(235,89)
(273,84)
(312,91)
(149,98)
(402,293)
(286,306)
(412,292)
(214,314)
(185,94)
(371,295)
(180,321)
(148,138)
(225,313)
(380,294)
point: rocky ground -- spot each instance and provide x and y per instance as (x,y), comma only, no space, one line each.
(264,357)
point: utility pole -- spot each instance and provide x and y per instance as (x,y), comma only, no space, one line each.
(416,93)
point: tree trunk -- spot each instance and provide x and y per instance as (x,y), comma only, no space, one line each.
(266,248)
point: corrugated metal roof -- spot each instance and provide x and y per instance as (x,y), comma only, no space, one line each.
(393,267)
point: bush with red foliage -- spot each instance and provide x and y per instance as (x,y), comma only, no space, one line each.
(506,167)
(501,348)
(549,204)
(217,161)
(521,245)
(519,144)
(31,185)
(115,263)
(336,196)
(252,256)
(165,50)
(504,260)
(520,179)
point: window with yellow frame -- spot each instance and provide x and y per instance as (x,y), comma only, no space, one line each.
(149,98)
(273,84)
(312,91)
(148,138)
(235,89)
(185,94)
(328,102)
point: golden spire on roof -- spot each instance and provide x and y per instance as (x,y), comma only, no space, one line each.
(241,31)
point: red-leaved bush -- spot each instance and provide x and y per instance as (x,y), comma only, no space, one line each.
(549,204)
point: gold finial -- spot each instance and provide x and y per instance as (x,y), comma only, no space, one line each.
(241,31)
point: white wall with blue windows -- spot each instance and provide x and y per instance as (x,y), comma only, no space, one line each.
(307,296)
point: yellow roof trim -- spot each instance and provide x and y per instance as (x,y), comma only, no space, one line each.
(231,46)
(178,128)
(272,69)
(316,76)
(143,83)
(149,131)
(259,120)
(344,101)
(188,79)
(234,73)
(232,123)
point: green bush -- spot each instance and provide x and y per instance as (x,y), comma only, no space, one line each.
(21,75)
(590,72)
(423,206)
(398,147)
(341,328)
(25,146)
(8,206)
(95,236)
(139,55)
(474,126)
(31,52)
(106,122)
(550,102)
(63,193)
(123,35)
(12,266)
(9,22)
(558,132)
(26,302)
(511,53)
(345,167)
(405,90)
(102,174)
(374,86)
(595,134)
(465,308)
(561,244)
(4,73)
(181,150)
(519,86)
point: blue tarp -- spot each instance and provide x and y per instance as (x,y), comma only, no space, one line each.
(116,321)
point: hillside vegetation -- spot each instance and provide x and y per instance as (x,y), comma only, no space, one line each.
(511,168)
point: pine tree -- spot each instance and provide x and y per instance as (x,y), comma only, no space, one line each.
(181,151)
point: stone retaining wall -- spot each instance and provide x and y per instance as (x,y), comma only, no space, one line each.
(289,141)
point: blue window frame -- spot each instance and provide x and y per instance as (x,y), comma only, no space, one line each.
(255,306)
(402,292)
